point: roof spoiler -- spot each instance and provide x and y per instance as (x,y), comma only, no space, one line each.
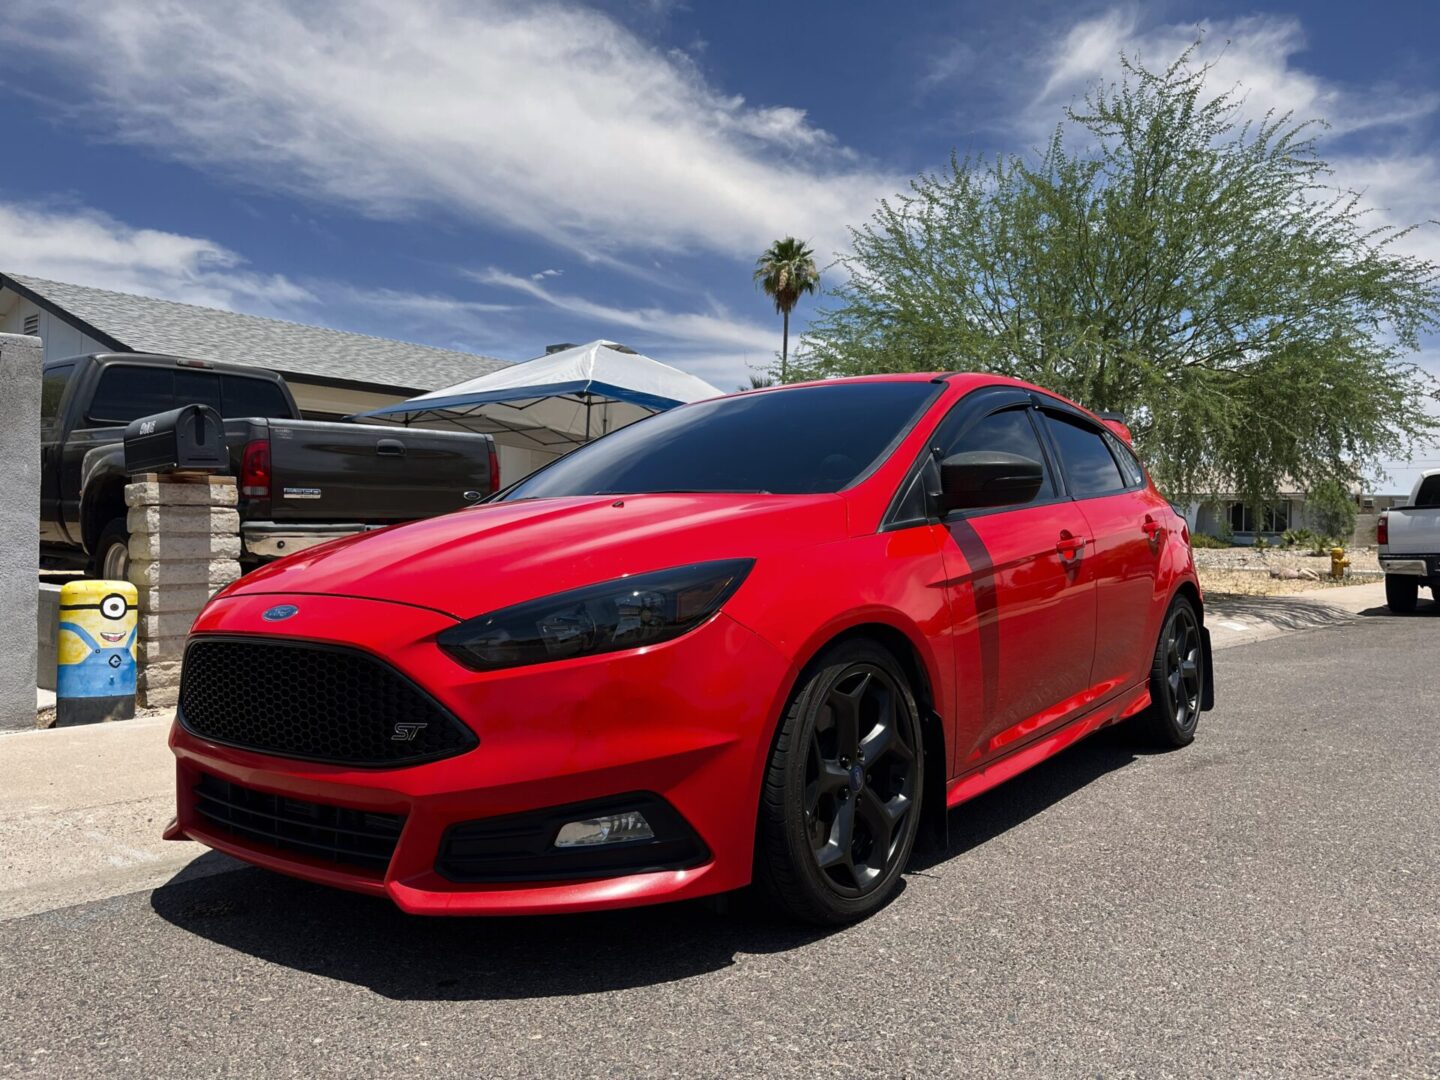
(1115,421)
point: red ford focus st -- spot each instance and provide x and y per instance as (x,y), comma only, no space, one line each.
(764,637)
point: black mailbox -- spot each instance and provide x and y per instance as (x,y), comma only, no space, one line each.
(191,437)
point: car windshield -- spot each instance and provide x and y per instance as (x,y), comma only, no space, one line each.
(786,442)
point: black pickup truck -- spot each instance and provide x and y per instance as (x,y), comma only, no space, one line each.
(301,481)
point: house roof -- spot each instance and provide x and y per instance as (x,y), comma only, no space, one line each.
(129,323)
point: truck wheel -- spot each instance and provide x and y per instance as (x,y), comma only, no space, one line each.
(110,561)
(1401,593)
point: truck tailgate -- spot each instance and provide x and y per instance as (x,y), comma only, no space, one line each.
(338,472)
(1413,531)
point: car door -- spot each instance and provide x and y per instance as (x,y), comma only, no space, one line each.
(1022,594)
(1126,523)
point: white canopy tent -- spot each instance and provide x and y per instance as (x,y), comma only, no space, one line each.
(556,402)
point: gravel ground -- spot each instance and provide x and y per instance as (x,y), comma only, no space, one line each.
(1244,571)
(1362,560)
(1262,903)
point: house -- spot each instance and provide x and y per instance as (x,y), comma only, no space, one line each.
(1226,514)
(332,373)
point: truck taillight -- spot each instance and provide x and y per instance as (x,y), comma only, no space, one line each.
(494,470)
(255,469)
(1382,529)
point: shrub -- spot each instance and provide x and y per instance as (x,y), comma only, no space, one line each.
(1332,508)
(1204,540)
(1261,544)
(1291,538)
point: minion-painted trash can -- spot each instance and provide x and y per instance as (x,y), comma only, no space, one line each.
(95,655)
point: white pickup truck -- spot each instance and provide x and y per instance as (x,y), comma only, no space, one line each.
(1409,538)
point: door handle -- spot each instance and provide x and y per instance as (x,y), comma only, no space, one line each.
(390,448)
(1153,531)
(1070,547)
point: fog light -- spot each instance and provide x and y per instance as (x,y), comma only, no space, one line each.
(606,829)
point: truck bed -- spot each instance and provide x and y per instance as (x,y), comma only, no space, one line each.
(342,473)
(357,474)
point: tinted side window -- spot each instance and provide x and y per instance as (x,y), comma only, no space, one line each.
(52,389)
(1429,494)
(1010,431)
(1129,463)
(126,393)
(253,397)
(1089,466)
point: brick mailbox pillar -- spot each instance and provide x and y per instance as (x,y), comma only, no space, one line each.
(184,547)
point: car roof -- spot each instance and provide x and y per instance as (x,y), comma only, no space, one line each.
(961,381)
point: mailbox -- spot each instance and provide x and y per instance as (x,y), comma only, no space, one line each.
(191,437)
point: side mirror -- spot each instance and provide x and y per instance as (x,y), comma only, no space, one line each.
(985,478)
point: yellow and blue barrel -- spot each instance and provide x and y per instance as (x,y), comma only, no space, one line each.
(95,671)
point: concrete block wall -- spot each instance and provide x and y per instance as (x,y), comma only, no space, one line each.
(184,547)
(47,637)
(20,361)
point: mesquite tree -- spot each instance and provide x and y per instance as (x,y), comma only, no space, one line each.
(1185,266)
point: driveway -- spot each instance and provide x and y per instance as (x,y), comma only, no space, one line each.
(1263,903)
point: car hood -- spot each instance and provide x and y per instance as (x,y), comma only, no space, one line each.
(476,560)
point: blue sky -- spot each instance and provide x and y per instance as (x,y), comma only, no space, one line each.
(494,177)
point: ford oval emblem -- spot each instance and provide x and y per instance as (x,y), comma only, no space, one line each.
(279,612)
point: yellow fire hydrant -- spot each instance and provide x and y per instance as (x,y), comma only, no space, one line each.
(1338,562)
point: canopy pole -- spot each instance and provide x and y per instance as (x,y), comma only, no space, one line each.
(589,401)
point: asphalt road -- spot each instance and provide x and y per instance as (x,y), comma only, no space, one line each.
(1264,902)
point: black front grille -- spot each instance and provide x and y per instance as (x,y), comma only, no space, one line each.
(357,837)
(317,702)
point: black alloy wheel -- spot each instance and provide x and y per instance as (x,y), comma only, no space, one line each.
(1177,677)
(841,804)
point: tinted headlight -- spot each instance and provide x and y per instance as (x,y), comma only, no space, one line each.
(623,614)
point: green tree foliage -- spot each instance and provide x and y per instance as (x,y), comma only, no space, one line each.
(1332,508)
(1187,267)
(786,272)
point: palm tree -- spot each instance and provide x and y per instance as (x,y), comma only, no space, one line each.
(786,271)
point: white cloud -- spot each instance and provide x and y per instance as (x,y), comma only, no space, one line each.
(543,274)
(697,329)
(89,248)
(1255,55)
(551,119)
(1369,140)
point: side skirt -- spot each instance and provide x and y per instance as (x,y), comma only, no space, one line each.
(966,787)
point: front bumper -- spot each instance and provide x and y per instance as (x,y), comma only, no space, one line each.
(689,721)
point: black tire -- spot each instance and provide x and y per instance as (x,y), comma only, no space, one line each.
(1177,679)
(1402,593)
(823,802)
(110,560)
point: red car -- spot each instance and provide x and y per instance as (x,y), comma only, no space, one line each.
(764,637)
